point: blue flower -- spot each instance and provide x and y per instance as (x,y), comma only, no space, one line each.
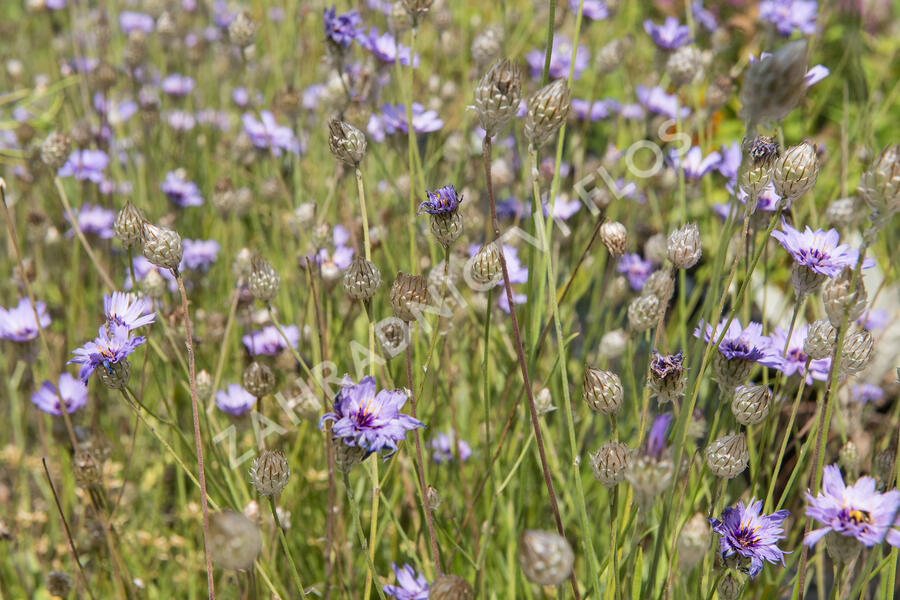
(130,310)
(177,85)
(386,48)
(341,29)
(393,120)
(794,360)
(269,341)
(595,10)
(369,420)
(410,585)
(704,16)
(199,254)
(179,190)
(635,268)
(655,445)
(818,250)
(18,324)
(670,35)
(71,393)
(113,344)
(85,165)
(560,59)
(749,534)
(441,201)
(95,220)
(658,102)
(743,343)
(267,134)
(235,400)
(693,162)
(789,16)
(135,21)
(444,449)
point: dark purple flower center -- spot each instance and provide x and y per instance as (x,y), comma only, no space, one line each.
(763,148)
(366,415)
(796,355)
(746,537)
(854,516)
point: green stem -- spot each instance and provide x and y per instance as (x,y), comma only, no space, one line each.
(287,550)
(354,505)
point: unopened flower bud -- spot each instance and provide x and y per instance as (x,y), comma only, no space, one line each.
(446,227)
(129,225)
(856,354)
(693,542)
(263,280)
(59,584)
(610,462)
(234,540)
(258,379)
(614,236)
(805,280)
(153,285)
(820,340)
(842,548)
(760,165)
(417,8)
(610,56)
(486,47)
(161,246)
(728,588)
(839,299)
(204,384)
(451,587)
(845,212)
(883,465)
(432,498)
(543,402)
(408,295)
(361,279)
(656,248)
(242,30)
(880,185)
(613,343)
(684,248)
(684,65)
(643,313)
(347,143)
(750,404)
(730,372)
(546,557)
(848,457)
(497,96)
(727,456)
(346,457)
(55,150)
(485,265)
(270,472)
(547,111)
(115,375)
(602,390)
(796,171)
(667,379)
(774,84)
(661,284)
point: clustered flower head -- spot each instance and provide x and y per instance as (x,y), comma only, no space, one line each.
(112,346)
(751,536)
(441,201)
(341,30)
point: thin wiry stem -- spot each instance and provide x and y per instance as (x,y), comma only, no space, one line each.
(354,505)
(287,550)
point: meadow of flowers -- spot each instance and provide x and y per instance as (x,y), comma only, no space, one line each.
(437,299)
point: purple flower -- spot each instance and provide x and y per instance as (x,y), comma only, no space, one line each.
(595,10)
(269,342)
(386,48)
(393,120)
(18,324)
(235,400)
(594,111)
(655,445)
(442,201)
(815,75)
(370,420)
(866,392)
(342,256)
(382,6)
(670,35)
(410,585)
(85,165)
(113,344)
(177,85)
(704,16)
(731,161)
(693,163)
(632,112)
(818,250)
(743,343)
(563,208)
(874,319)
(240,96)
(857,511)
(217,118)
(658,102)
(129,310)
(71,393)
(444,449)
(635,268)
(341,29)
(748,533)
(560,59)
(199,254)
(794,360)
(789,16)
(503,301)
(179,190)
(95,220)
(181,120)
(267,134)
(135,21)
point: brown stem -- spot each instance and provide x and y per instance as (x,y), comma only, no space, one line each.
(197,441)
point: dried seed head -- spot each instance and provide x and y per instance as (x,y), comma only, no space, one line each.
(842,548)
(727,456)
(485,265)
(135,52)
(161,246)
(845,212)
(693,542)
(408,294)
(774,85)
(361,279)
(242,30)
(684,65)
(661,284)
(87,468)
(728,588)
(820,340)
(55,150)
(848,458)
(546,557)
(258,379)
(805,280)
(649,477)
(602,390)
(547,111)
(153,285)
(346,457)
(839,299)
(399,20)
(684,247)
(610,462)
(347,143)
(610,56)
(451,587)
(115,375)
(730,372)
(393,336)
(543,402)
(58,583)
(263,280)
(656,248)
(643,313)
(234,540)
(243,264)
(432,498)
(446,227)
(667,379)
(750,404)
(619,289)
(486,46)
(796,171)
(856,353)
(498,95)
(417,8)
(129,225)
(880,185)
(204,384)
(270,472)
(614,236)
(613,343)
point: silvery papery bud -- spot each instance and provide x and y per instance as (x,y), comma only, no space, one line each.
(762,153)
(805,280)
(610,462)
(55,150)
(263,280)
(546,557)
(856,354)
(613,343)
(258,379)
(656,248)
(727,456)
(602,390)
(838,298)
(844,212)
(543,402)
(153,285)
(129,224)
(661,284)
(730,372)
(446,227)
(684,248)
(750,404)
(693,542)
(820,340)
(796,171)
(486,46)
(643,313)
(610,56)
(667,379)
(775,84)
(614,236)
(347,143)
(361,279)
(161,246)
(485,265)
(728,588)
(242,30)
(87,468)
(417,8)
(547,111)
(409,294)
(684,65)
(498,95)
(270,472)
(234,540)
(451,587)
(880,184)
(883,465)
(204,384)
